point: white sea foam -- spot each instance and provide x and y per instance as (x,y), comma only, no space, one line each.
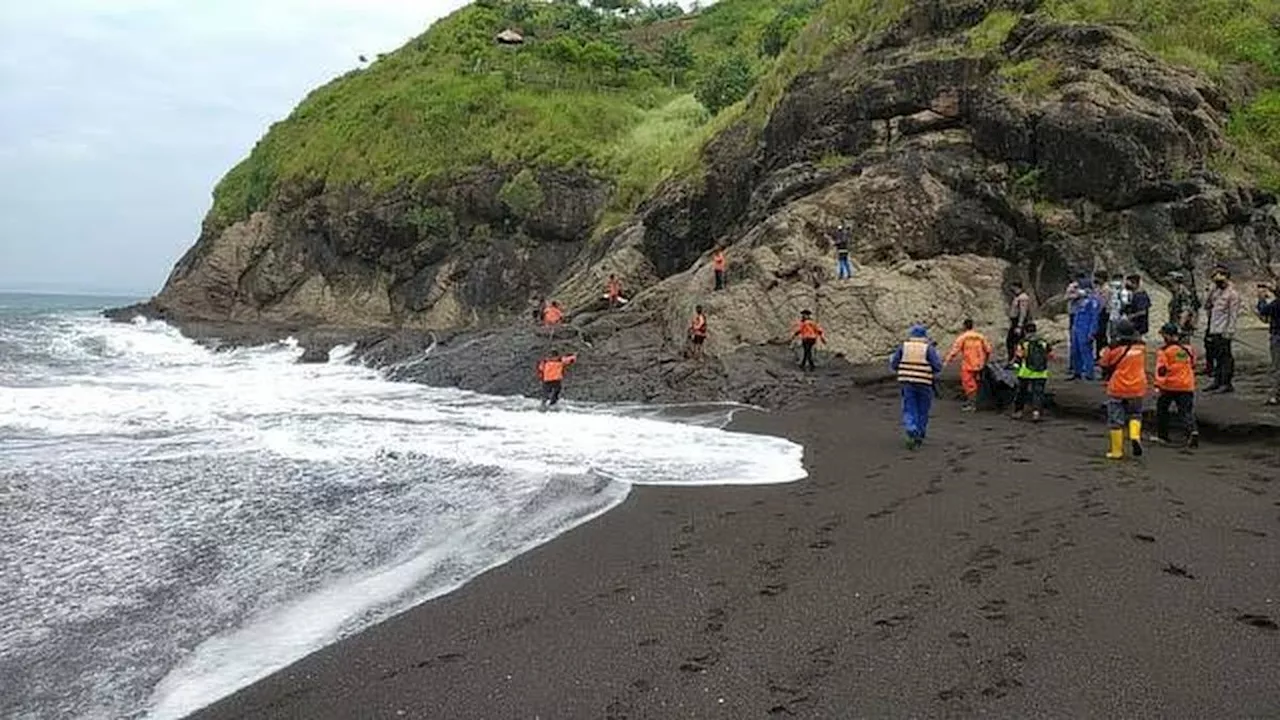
(207,518)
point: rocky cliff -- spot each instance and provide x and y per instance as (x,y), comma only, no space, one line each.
(966,142)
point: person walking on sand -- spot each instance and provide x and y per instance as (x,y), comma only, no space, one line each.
(719,265)
(551,373)
(1125,366)
(613,291)
(1269,310)
(1176,385)
(697,332)
(1019,316)
(1033,356)
(844,266)
(809,332)
(974,350)
(1084,332)
(1223,305)
(917,365)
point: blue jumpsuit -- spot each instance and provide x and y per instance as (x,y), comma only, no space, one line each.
(917,398)
(1082,333)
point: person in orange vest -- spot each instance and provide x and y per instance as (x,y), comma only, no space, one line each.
(552,316)
(1124,364)
(974,350)
(551,372)
(917,365)
(1176,383)
(613,291)
(698,331)
(809,332)
(718,264)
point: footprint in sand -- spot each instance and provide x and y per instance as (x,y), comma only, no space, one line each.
(1262,622)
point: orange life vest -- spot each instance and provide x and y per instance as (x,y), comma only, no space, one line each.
(551,315)
(552,369)
(699,325)
(914,367)
(809,330)
(1129,373)
(1175,368)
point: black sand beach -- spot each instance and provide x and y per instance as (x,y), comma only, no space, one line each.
(1003,570)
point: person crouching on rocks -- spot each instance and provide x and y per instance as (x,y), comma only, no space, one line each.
(697,332)
(1176,383)
(974,350)
(809,332)
(1124,364)
(917,365)
(1032,360)
(551,372)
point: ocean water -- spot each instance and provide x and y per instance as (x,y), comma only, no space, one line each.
(176,523)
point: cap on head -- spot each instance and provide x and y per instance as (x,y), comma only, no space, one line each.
(1134,278)
(805,313)
(1176,275)
(697,308)
(1220,272)
(1029,327)
(919,330)
(968,323)
(1170,329)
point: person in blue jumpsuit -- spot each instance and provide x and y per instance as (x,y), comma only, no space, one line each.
(917,364)
(1082,333)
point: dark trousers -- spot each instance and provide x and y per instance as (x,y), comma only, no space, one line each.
(806,345)
(1011,341)
(1209,360)
(1100,337)
(1224,362)
(1032,390)
(719,279)
(551,392)
(1185,402)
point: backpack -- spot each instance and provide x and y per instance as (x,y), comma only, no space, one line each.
(1037,358)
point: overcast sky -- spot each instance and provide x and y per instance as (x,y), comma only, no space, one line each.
(118,116)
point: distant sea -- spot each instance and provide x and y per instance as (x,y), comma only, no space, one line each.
(178,523)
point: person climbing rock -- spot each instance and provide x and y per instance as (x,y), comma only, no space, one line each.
(1084,332)
(613,291)
(917,365)
(974,350)
(719,265)
(1176,385)
(844,266)
(1138,308)
(1019,316)
(1032,360)
(1269,310)
(1125,366)
(551,372)
(697,332)
(809,332)
(1223,306)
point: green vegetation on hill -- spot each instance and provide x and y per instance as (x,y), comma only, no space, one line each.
(608,90)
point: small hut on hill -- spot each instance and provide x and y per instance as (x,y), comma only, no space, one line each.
(509,37)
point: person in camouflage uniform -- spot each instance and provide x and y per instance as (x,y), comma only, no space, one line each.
(1184,308)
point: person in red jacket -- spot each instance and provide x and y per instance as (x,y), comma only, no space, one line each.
(551,372)
(1124,364)
(719,266)
(1176,383)
(809,332)
(697,332)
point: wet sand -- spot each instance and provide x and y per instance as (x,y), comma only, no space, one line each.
(1005,570)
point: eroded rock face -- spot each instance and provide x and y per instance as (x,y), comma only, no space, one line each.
(1069,148)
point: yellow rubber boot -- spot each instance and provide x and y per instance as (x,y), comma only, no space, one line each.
(1135,436)
(1117,445)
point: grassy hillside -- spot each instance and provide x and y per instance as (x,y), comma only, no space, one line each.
(615,92)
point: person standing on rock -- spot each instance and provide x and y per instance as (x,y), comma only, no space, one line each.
(1033,356)
(1176,385)
(1138,309)
(844,266)
(551,372)
(974,351)
(552,316)
(917,365)
(1223,305)
(697,332)
(1183,306)
(719,265)
(1125,366)
(1269,310)
(1084,332)
(613,291)
(1019,316)
(809,332)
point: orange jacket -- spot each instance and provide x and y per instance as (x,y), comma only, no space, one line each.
(717,262)
(809,330)
(552,315)
(1175,368)
(699,325)
(973,348)
(1128,365)
(552,369)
